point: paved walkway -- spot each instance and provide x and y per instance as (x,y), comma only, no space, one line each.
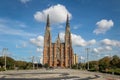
(55,74)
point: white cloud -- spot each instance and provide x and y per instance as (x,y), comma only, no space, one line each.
(40,50)
(24,1)
(21,45)
(39,41)
(57,14)
(17,46)
(60,26)
(103,26)
(107,55)
(4,29)
(77,26)
(24,44)
(62,36)
(110,42)
(14,23)
(82,58)
(91,42)
(11,27)
(102,49)
(77,40)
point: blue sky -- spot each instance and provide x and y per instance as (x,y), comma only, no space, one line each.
(94,24)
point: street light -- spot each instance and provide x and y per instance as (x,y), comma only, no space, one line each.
(87,50)
(33,62)
(4,54)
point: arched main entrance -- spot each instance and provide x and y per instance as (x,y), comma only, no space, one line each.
(58,63)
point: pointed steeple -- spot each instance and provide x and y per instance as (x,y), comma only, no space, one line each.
(58,41)
(67,32)
(47,36)
(58,36)
(48,21)
(67,21)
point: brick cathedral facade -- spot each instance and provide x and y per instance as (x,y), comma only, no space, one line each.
(58,54)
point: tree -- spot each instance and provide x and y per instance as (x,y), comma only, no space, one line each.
(2,61)
(21,64)
(9,62)
(93,65)
(75,66)
(115,62)
(104,63)
(46,65)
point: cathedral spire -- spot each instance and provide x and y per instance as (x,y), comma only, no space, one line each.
(48,21)
(58,36)
(67,21)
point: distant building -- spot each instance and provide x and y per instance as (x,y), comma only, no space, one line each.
(75,59)
(58,54)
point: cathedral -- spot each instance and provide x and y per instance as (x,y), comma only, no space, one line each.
(58,54)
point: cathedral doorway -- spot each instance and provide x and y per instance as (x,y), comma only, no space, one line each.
(58,63)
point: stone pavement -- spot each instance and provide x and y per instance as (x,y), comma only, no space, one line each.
(55,74)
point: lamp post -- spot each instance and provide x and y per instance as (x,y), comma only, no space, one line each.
(87,51)
(4,54)
(33,62)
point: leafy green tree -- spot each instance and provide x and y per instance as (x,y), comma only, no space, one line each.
(93,65)
(115,62)
(9,62)
(2,61)
(104,63)
(46,65)
(21,64)
(29,65)
(75,66)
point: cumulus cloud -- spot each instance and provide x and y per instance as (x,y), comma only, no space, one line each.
(23,45)
(57,14)
(39,41)
(39,50)
(77,40)
(82,58)
(77,26)
(24,1)
(110,42)
(102,49)
(91,42)
(103,26)
(62,36)
(7,27)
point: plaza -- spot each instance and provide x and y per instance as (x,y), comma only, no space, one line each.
(55,74)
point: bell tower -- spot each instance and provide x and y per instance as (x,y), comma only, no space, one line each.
(67,33)
(47,43)
(68,45)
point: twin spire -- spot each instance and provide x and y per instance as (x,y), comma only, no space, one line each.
(67,21)
(48,24)
(48,21)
